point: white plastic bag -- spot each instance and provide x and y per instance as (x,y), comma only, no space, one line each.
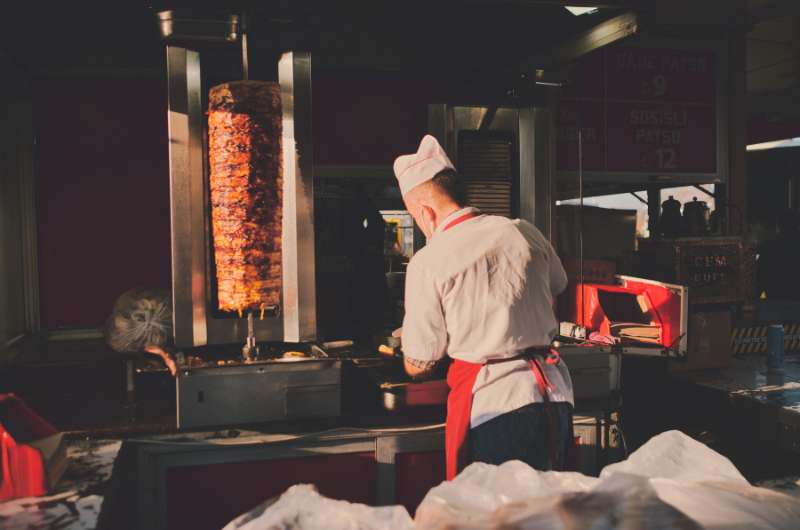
(676,456)
(730,506)
(514,496)
(705,485)
(302,508)
(670,482)
(481,489)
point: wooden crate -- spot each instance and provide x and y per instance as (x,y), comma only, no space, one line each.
(711,267)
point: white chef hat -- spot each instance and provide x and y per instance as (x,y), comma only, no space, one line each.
(414,169)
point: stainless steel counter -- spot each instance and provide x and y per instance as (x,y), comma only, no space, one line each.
(77,499)
(746,382)
(747,378)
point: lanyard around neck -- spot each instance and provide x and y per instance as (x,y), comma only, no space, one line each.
(460,219)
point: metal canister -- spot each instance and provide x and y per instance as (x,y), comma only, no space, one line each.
(696,216)
(775,348)
(670,223)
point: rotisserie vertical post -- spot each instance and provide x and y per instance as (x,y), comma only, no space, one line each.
(246,182)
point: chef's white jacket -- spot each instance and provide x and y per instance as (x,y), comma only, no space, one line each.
(482,290)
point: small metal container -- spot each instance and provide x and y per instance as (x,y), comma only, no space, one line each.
(179,27)
(398,396)
(671,223)
(696,217)
(775,336)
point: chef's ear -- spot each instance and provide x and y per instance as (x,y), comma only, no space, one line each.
(429,215)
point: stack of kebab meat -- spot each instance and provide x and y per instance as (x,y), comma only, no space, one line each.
(246,181)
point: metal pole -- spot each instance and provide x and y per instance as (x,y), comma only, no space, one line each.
(245,63)
(299,296)
(245,66)
(580,222)
(185,129)
(130,390)
(653,210)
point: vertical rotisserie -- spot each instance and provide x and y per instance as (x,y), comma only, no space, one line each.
(246,181)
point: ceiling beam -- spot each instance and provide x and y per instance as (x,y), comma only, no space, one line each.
(520,80)
(601,35)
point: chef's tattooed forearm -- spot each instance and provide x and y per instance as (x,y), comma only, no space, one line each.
(421,365)
(421,369)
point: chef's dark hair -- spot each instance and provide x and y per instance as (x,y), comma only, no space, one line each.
(453,185)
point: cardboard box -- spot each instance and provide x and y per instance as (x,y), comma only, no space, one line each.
(709,342)
(594,270)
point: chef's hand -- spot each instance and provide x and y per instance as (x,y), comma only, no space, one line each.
(168,360)
(391,347)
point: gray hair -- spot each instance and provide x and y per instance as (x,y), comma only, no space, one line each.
(140,318)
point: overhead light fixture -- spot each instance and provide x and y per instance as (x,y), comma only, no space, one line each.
(581,10)
(789,142)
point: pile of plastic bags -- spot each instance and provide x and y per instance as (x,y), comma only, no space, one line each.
(302,508)
(671,482)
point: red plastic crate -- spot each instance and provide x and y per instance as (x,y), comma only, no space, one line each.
(33,455)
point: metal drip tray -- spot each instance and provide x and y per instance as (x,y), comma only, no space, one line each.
(236,360)
(403,395)
(256,392)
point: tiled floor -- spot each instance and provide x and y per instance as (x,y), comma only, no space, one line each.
(76,500)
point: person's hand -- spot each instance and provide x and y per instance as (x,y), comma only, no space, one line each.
(165,357)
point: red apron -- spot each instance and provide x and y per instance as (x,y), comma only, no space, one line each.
(461,378)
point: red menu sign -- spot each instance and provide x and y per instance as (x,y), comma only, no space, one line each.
(641,110)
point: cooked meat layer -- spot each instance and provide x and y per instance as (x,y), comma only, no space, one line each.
(246,167)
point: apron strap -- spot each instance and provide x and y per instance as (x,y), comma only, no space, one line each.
(545,386)
(461,378)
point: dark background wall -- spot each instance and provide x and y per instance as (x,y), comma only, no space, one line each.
(103,194)
(772,183)
(370,121)
(103,176)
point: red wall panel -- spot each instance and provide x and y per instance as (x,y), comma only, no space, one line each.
(762,130)
(369,122)
(103,194)
(415,475)
(210,496)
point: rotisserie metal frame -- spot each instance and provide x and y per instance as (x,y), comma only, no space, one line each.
(196,322)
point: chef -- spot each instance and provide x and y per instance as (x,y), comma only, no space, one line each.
(481,292)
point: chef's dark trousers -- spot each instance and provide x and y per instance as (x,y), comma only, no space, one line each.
(522,434)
